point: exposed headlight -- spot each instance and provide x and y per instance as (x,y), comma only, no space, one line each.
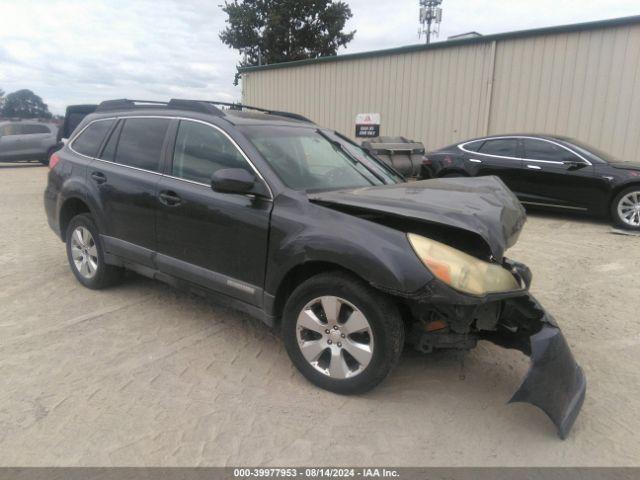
(460,270)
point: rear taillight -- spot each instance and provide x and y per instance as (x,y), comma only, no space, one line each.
(426,161)
(53,161)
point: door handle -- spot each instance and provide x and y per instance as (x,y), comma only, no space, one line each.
(534,167)
(170,198)
(475,160)
(98,177)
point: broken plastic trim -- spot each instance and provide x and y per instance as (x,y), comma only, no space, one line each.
(554,383)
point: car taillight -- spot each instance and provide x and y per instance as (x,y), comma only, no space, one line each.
(53,161)
(426,161)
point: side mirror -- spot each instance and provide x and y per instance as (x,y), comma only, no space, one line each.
(573,164)
(233,180)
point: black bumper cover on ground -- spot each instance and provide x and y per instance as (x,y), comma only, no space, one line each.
(555,383)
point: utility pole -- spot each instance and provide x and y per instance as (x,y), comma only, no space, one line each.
(430,18)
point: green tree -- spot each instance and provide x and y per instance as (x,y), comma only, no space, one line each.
(273,31)
(25,104)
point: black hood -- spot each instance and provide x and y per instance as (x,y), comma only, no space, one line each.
(482,205)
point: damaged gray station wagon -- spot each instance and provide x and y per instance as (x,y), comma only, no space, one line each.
(297,225)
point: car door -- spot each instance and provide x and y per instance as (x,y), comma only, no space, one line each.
(26,142)
(554,176)
(124,179)
(218,240)
(495,156)
(33,140)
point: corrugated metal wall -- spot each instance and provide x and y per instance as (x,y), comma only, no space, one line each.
(584,84)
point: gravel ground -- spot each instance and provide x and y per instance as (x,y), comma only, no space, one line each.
(141,374)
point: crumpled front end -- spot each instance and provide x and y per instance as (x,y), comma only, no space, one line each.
(482,206)
(555,383)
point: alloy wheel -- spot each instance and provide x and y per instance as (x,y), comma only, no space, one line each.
(629,209)
(334,337)
(84,252)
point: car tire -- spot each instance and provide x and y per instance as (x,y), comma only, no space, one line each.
(86,257)
(453,175)
(353,357)
(627,201)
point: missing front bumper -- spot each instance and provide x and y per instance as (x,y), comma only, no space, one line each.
(555,383)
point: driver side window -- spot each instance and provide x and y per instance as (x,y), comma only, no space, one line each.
(201,150)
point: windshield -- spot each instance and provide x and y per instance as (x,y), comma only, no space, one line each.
(591,153)
(306,159)
(381,170)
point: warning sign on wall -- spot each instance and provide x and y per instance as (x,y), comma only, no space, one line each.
(368,125)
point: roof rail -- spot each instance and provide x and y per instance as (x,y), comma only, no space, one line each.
(201,106)
(240,106)
(174,103)
(194,105)
(126,104)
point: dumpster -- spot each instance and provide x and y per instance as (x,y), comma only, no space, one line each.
(402,154)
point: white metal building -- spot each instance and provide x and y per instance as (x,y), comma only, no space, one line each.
(579,80)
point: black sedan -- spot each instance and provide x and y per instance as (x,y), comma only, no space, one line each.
(546,171)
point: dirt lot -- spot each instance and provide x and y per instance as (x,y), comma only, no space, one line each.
(143,375)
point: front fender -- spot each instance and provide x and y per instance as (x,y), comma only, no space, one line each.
(304,232)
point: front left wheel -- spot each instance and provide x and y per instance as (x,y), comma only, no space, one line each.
(85,254)
(341,334)
(625,208)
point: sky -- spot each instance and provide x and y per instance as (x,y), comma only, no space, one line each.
(85,51)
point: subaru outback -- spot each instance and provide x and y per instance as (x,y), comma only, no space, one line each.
(298,226)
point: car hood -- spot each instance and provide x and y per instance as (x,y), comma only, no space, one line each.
(481,205)
(625,165)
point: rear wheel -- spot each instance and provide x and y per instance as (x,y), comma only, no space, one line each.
(341,334)
(625,208)
(85,254)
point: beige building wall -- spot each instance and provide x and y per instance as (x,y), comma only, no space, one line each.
(583,83)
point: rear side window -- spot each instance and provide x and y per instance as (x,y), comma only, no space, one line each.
(9,129)
(33,129)
(14,129)
(474,146)
(504,147)
(90,139)
(140,143)
(201,150)
(109,151)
